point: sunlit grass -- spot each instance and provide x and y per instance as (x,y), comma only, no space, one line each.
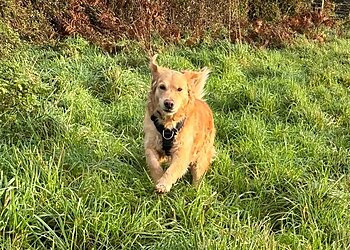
(73,172)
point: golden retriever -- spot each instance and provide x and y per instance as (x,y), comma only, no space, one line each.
(178,126)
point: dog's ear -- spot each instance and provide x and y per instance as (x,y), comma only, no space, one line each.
(196,81)
(154,66)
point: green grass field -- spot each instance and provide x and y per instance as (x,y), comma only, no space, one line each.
(72,167)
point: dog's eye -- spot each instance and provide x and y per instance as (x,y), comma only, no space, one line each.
(162,87)
(179,89)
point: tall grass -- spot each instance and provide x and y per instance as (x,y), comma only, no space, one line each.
(73,172)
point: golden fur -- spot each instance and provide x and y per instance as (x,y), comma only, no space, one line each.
(194,144)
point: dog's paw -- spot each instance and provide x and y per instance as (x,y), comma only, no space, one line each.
(162,188)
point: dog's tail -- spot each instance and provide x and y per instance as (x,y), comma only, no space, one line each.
(198,80)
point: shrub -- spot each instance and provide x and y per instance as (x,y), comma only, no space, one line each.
(9,40)
(29,20)
(105,22)
(20,90)
(19,87)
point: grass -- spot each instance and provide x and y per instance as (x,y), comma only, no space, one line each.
(73,172)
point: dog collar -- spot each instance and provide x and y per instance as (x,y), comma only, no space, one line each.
(168,135)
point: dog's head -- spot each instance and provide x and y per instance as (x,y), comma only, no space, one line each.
(173,90)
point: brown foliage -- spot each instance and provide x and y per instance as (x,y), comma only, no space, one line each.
(278,34)
(103,22)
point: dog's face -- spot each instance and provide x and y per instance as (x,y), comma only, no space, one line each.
(171,91)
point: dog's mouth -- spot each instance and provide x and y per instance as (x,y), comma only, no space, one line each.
(169,111)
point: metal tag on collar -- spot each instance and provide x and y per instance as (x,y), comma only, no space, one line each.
(169,137)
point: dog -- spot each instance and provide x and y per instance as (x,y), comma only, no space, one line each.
(178,126)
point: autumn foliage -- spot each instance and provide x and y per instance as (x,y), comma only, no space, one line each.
(103,22)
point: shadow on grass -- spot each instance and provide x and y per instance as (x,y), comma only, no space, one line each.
(32,128)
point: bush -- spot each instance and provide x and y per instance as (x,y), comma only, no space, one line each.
(272,10)
(106,22)
(20,91)
(29,20)
(19,88)
(9,40)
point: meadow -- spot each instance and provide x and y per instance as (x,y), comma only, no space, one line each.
(73,172)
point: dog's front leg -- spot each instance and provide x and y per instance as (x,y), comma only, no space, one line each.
(177,169)
(155,168)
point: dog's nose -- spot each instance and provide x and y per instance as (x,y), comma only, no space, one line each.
(169,104)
